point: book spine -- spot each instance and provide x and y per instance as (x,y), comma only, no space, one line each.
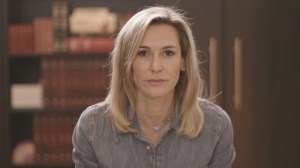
(60,12)
(43,35)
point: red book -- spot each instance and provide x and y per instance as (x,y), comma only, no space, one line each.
(20,38)
(43,35)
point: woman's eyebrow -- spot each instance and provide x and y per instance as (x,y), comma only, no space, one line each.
(165,47)
(171,46)
(143,46)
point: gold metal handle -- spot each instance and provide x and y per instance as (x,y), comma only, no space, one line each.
(213,68)
(237,73)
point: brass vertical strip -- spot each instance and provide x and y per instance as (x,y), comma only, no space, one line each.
(213,68)
(237,73)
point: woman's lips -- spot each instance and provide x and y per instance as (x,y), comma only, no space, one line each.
(156,81)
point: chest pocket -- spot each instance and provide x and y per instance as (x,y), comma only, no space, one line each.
(117,154)
(186,153)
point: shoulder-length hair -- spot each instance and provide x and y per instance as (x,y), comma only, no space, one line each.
(189,87)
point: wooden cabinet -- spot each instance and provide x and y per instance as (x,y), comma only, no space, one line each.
(246,27)
(269,32)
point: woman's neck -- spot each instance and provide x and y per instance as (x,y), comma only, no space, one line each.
(153,111)
(154,117)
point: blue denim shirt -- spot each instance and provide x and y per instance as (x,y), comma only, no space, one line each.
(97,145)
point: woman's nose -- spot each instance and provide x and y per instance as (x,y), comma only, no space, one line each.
(156,65)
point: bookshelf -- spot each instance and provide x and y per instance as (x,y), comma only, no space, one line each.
(25,65)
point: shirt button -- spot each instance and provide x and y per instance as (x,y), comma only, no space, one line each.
(148,147)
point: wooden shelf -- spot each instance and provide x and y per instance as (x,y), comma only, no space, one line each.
(43,166)
(64,54)
(33,110)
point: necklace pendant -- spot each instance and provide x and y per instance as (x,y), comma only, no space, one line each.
(156,128)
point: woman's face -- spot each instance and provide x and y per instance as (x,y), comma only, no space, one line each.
(158,62)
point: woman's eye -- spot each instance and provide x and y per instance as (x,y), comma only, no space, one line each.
(142,53)
(169,53)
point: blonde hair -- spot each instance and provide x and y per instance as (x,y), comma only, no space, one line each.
(188,88)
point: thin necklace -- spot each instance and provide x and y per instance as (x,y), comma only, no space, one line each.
(157,128)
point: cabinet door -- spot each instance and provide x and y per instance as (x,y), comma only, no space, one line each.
(245,76)
(264,34)
(284,83)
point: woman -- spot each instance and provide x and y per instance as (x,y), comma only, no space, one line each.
(152,116)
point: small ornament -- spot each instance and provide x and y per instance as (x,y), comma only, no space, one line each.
(156,128)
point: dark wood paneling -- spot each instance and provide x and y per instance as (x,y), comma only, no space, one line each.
(4,130)
(285,86)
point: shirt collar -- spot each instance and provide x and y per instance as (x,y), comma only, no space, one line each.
(175,119)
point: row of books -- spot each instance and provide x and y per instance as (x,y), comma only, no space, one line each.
(38,38)
(74,82)
(44,34)
(87,29)
(52,137)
